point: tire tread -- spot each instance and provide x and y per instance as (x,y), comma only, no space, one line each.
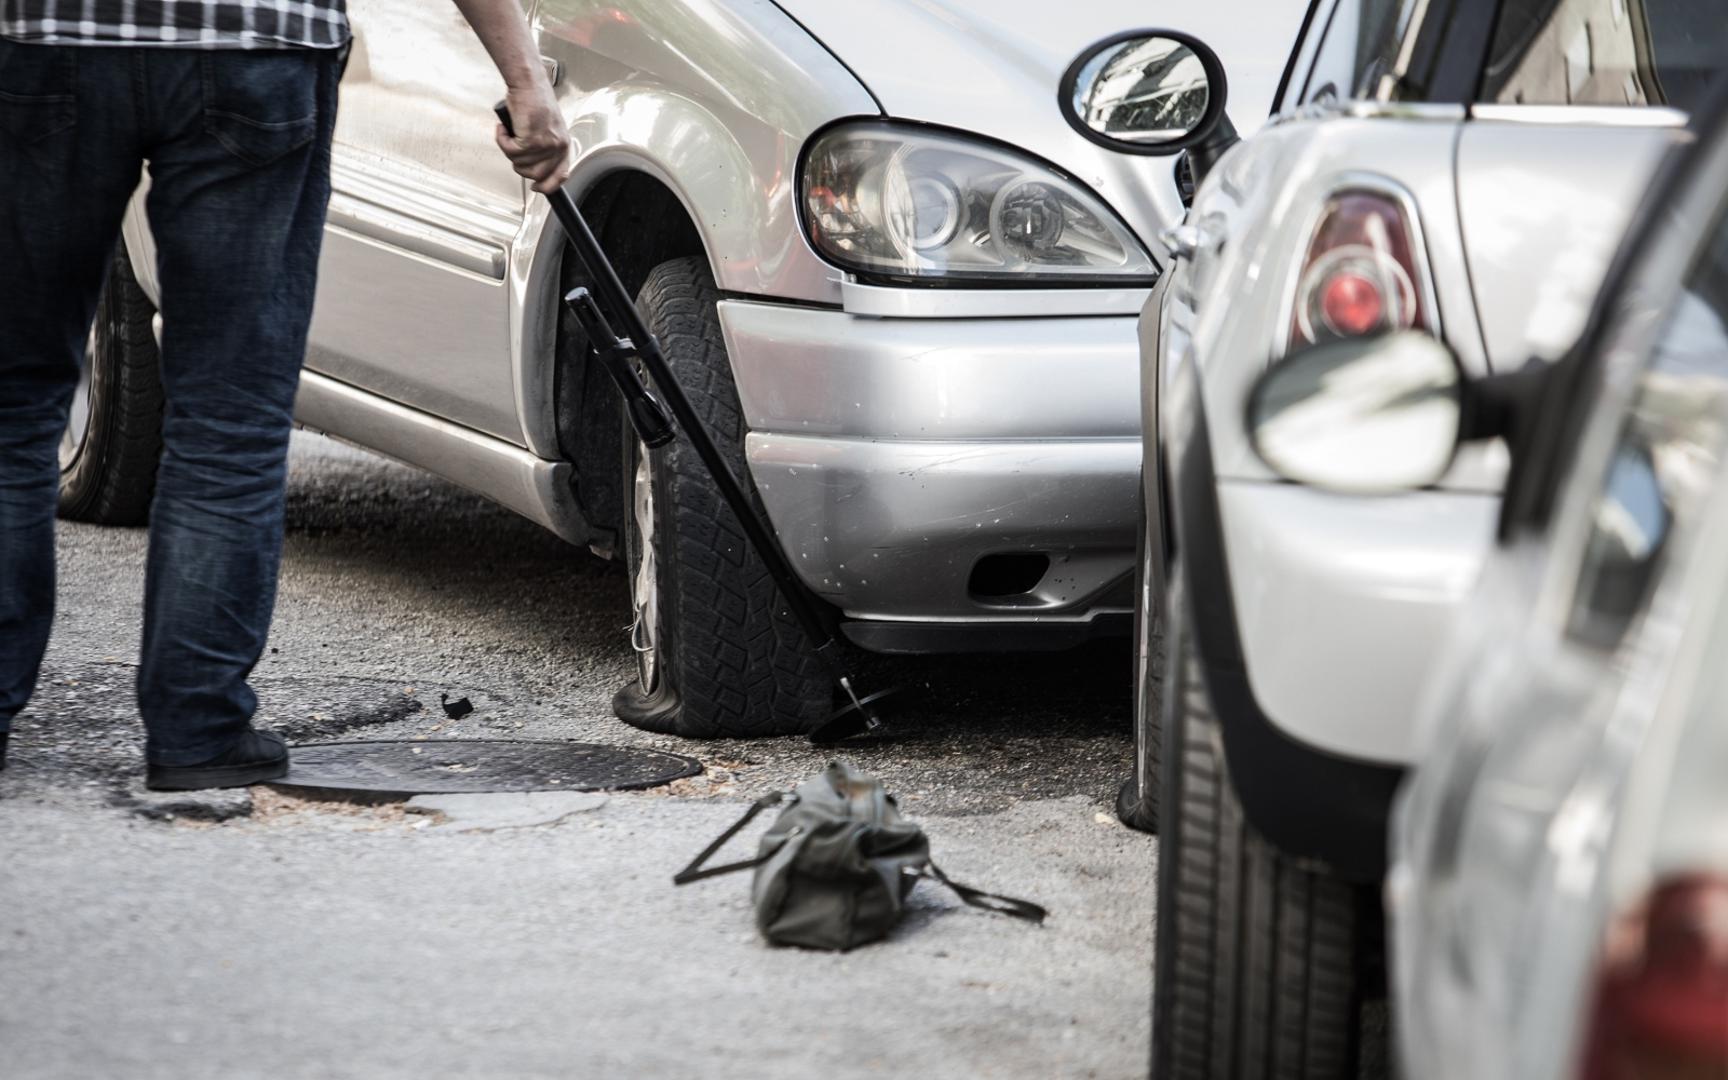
(1262,977)
(741,666)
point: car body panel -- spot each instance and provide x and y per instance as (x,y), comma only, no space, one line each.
(720,96)
(1560,194)
(1257,214)
(1343,603)
(893,454)
(815,372)
(892,530)
(416,173)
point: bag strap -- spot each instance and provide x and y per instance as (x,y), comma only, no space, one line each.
(1003,905)
(696,872)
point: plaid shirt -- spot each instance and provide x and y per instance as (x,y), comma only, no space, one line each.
(202,24)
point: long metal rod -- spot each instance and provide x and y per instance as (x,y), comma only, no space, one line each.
(604,278)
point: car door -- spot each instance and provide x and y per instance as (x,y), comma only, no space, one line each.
(413,304)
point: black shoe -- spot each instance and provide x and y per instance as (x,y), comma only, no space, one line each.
(257,757)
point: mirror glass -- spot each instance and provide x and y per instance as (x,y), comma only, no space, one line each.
(1375,415)
(1145,91)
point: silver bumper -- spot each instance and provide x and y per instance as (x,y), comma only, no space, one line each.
(895,456)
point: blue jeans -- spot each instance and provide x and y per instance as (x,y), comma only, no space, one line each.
(238,145)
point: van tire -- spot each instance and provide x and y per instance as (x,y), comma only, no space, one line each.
(730,660)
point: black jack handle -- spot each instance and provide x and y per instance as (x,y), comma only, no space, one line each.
(655,430)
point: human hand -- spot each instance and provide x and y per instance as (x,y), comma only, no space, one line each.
(540,147)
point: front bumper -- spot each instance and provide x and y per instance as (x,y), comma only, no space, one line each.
(902,459)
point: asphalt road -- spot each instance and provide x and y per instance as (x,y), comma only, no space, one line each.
(269,936)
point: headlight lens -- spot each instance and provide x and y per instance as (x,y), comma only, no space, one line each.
(909,203)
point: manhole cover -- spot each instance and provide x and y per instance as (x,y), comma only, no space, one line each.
(479,765)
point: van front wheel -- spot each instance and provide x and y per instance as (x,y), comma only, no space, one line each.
(718,654)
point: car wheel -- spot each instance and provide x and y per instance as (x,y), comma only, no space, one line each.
(1258,969)
(717,652)
(1137,801)
(113,439)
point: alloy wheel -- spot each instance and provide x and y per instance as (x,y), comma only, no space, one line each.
(645,591)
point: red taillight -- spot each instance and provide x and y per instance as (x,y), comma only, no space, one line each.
(1661,1008)
(1360,274)
(1351,304)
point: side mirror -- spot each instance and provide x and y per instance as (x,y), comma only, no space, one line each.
(1368,416)
(1145,92)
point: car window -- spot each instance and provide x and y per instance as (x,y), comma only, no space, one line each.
(1604,52)
(1360,43)
(1666,457)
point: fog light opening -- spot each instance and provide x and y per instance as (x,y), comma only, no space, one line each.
(1008,575)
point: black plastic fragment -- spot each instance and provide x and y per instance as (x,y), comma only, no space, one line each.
(456,710)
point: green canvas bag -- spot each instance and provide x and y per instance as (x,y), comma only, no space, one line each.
(836,867)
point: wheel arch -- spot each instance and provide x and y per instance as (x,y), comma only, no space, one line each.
(641,221)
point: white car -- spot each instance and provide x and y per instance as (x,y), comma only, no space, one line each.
(901,290)
(1560,888)
(1463,168)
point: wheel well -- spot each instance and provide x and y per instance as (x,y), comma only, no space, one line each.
(640,224)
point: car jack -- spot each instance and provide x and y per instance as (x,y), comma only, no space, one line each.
(648,415)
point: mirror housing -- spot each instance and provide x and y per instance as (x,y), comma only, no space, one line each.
(1363,416)
(1146,92)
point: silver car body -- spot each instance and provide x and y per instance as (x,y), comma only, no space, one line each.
(1564,773)
(897,434)
(1342,602)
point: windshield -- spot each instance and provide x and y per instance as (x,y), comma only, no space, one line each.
(1604,52)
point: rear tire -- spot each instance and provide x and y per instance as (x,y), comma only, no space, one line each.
(1258,971)
(719,655)
(112,447)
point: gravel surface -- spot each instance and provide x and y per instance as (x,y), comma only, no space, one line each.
(257,934)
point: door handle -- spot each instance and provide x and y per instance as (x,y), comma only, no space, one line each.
(554,69)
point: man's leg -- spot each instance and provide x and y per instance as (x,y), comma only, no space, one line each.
(68,163)
(240,179)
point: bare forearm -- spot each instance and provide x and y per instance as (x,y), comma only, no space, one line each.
(503,30)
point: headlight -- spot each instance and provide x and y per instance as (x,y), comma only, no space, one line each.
(904,202)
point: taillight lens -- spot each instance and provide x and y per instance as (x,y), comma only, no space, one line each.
(1360,275)
(1661,1008)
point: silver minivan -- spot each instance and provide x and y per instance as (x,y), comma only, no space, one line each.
(898,287)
